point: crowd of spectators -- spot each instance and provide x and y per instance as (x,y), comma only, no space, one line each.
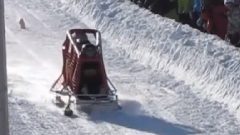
(219,17)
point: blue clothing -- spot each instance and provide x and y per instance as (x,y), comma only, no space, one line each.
(197,6)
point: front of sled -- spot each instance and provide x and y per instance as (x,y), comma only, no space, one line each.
(107,101)
(65,98)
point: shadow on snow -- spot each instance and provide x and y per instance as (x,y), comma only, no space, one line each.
(129,116)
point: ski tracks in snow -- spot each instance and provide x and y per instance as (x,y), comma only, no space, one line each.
(163,96)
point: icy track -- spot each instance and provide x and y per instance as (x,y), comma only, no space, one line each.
(172,79)
(201,60)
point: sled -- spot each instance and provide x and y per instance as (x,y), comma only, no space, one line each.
(83,74)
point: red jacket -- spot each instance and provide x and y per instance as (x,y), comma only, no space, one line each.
(216,20)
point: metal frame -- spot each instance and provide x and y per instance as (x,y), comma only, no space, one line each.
(66,89)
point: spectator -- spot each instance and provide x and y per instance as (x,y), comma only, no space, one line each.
(160,6)
(233,31)
(214,15)
(184,9)
(197,9)
(147,3)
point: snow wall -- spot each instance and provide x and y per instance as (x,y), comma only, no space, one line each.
(203,61)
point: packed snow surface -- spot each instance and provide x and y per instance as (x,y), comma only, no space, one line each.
(205,61)
(171,79)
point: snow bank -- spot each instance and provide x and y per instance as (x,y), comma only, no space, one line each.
(203,61)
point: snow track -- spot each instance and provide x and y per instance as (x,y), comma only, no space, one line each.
(168,46)
(154,100)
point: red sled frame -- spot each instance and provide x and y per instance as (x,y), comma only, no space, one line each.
(75,60)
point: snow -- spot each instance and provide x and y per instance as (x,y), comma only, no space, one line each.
(171,79)
(166,45)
